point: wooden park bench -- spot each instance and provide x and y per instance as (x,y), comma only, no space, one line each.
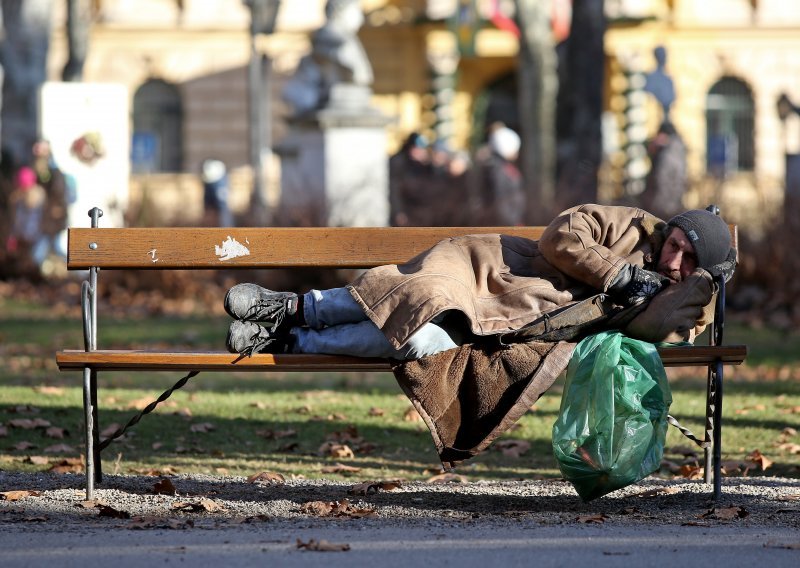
(98,248)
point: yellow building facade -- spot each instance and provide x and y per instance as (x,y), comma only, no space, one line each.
(188,61)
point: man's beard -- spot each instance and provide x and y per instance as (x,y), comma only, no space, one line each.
(673,275)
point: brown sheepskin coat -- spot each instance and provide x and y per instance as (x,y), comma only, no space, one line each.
(470,395)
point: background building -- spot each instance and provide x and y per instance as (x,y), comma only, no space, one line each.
(447,68)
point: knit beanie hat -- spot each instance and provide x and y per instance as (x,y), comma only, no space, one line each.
(708,233)
(505,142)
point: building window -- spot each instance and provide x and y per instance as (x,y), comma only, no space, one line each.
(157,144)
(730,127)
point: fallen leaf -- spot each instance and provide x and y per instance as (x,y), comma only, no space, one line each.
(37,460)
(60,449)
(140,403)
(3,431)
(375,411)
(784,545)
(340,468)
(289,448)
(23,409)
(68,465)
(39,519)
(152,522)
(28,423)
(759,459)
(167,470)
(111,512)
(91,503)
(590,519)
(24,445)
(341,508)
(731,466)
(202,427)
(513,448)
(448,478)
(250,520)
(335,450)
(322,546)
(17,495)
(276,434)
(50,391)
(157,445)
(164,487)
(368,487)
(347,436)
(691,472)
(411,415)
(267,477)
(55,432)
(789,431)
(258,404)
(725,514)
(110,430)
(317,508)
(202,506)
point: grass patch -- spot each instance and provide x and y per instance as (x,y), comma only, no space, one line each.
(242,423)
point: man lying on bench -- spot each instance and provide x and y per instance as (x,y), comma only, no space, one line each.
(465,289)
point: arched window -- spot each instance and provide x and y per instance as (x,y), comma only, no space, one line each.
(729,127)
(157,128)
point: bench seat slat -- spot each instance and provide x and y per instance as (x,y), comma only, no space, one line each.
(222,361)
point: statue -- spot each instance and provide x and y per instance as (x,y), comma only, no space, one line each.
(337,58)
(659,84)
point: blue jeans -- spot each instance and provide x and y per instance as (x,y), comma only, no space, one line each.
(338,326)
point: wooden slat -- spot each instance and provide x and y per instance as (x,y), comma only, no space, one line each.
(212,361)
(201,248)
(220,361)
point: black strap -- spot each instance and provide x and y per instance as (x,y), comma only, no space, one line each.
(575,321)
(146,410)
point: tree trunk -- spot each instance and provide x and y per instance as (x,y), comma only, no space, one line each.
(23,56)
(581,105)
(536,99)
(78,22)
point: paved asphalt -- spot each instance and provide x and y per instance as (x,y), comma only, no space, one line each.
(385,547)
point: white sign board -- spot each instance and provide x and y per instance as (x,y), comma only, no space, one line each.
(87,125)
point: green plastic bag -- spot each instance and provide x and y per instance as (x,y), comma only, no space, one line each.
(612,424)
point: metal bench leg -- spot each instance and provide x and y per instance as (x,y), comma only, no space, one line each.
(98,464)
(88,417)
(718,431)
(709,429)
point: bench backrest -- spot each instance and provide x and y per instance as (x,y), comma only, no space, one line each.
(257,247)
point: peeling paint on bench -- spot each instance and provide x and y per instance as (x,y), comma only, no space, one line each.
(231,248)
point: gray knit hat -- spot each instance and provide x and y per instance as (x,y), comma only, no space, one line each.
(708,233)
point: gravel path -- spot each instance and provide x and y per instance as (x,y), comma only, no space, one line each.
(220,502)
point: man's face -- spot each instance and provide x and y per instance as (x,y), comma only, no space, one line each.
(678,259)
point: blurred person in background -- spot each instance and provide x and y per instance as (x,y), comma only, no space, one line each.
(409,179)
(51,249)
(27,204)
(501,199)
(215,194)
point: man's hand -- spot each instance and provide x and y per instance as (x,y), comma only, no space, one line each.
(634,285)
(725,268)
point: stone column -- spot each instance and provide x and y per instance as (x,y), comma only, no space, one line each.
(334,164)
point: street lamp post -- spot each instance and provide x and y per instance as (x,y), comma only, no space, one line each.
(263,14)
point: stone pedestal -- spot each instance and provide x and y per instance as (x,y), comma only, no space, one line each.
(334,164)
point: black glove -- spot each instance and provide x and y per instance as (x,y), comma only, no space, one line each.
(634,285)
(725,268)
